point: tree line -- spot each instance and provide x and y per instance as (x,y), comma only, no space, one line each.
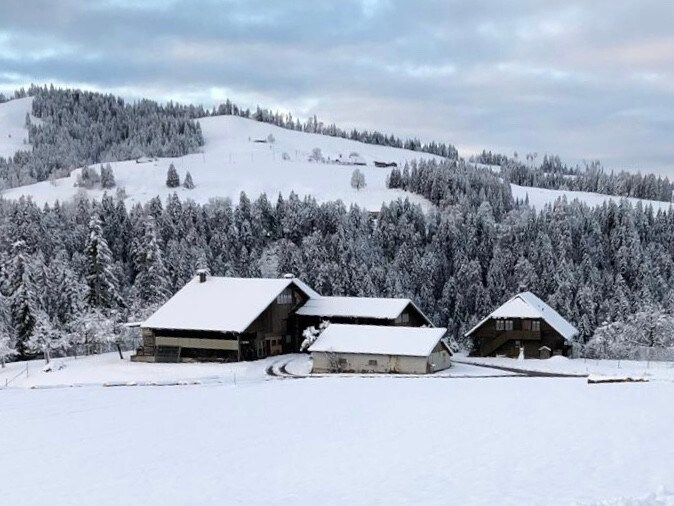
(552,173)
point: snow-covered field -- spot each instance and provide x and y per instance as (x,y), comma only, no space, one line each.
(13,133)
(109,370)
(658,371)
(232,162)
(335,440)
(540,197)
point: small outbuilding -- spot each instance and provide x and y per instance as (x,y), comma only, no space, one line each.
(345,348)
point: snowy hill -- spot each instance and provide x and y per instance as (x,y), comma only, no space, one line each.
(13,133)
(237,157)
(234,159)
(540,197)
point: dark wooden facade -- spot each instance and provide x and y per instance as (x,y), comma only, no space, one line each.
(492,339)
(273,332)
(409,317)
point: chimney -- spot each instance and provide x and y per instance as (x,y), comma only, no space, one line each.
(288,276)
(202,273)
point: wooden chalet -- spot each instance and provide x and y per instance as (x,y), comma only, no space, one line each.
(225,319)
(525,321)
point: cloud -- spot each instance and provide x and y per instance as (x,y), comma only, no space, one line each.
(581,79)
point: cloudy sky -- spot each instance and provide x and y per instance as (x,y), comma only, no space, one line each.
(586,80)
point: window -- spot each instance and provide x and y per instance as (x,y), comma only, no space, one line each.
(536,326)
(405,317)
(371,362)
(508,324)
(285,298)
(342,361)
(499,325)
(526,324)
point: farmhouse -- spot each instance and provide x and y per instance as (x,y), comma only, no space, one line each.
(232,319)
(377,349)
(524,321)
(228,319)
(361,310)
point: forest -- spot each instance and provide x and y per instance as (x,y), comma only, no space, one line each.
(72,273)
(552,173)
(75,128)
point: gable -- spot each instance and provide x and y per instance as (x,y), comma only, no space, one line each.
(526,305)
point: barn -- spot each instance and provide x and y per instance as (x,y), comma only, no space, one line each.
(361,311)
(225,319)
(525,321)
(380,349)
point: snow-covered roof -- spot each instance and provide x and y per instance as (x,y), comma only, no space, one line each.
(527,305)
(220,304)
(378,340)
(357,307)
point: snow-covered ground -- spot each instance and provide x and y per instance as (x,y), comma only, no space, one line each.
(109,369)
(657,371)
(540,197)
(338,440)
(232,162)
(13,132)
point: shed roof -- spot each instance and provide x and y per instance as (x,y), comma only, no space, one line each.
(378,340)
(220,304)
(356,307)
(528,305)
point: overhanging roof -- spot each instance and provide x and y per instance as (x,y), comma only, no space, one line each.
(220,304)
(527,305)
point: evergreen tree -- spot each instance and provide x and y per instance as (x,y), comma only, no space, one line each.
(6,346)
(107,177)
(24,300)
(102,283)
(172,177)
(188,183)
(152,280)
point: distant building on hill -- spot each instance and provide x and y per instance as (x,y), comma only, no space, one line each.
(525,321)
(232,319)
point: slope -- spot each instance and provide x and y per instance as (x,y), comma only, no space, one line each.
(13,132)
(234,160)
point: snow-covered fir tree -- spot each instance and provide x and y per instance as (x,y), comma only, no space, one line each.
(7,350)
(107,177)
(172,177)
(101,279)
(188,183)
(152,280)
